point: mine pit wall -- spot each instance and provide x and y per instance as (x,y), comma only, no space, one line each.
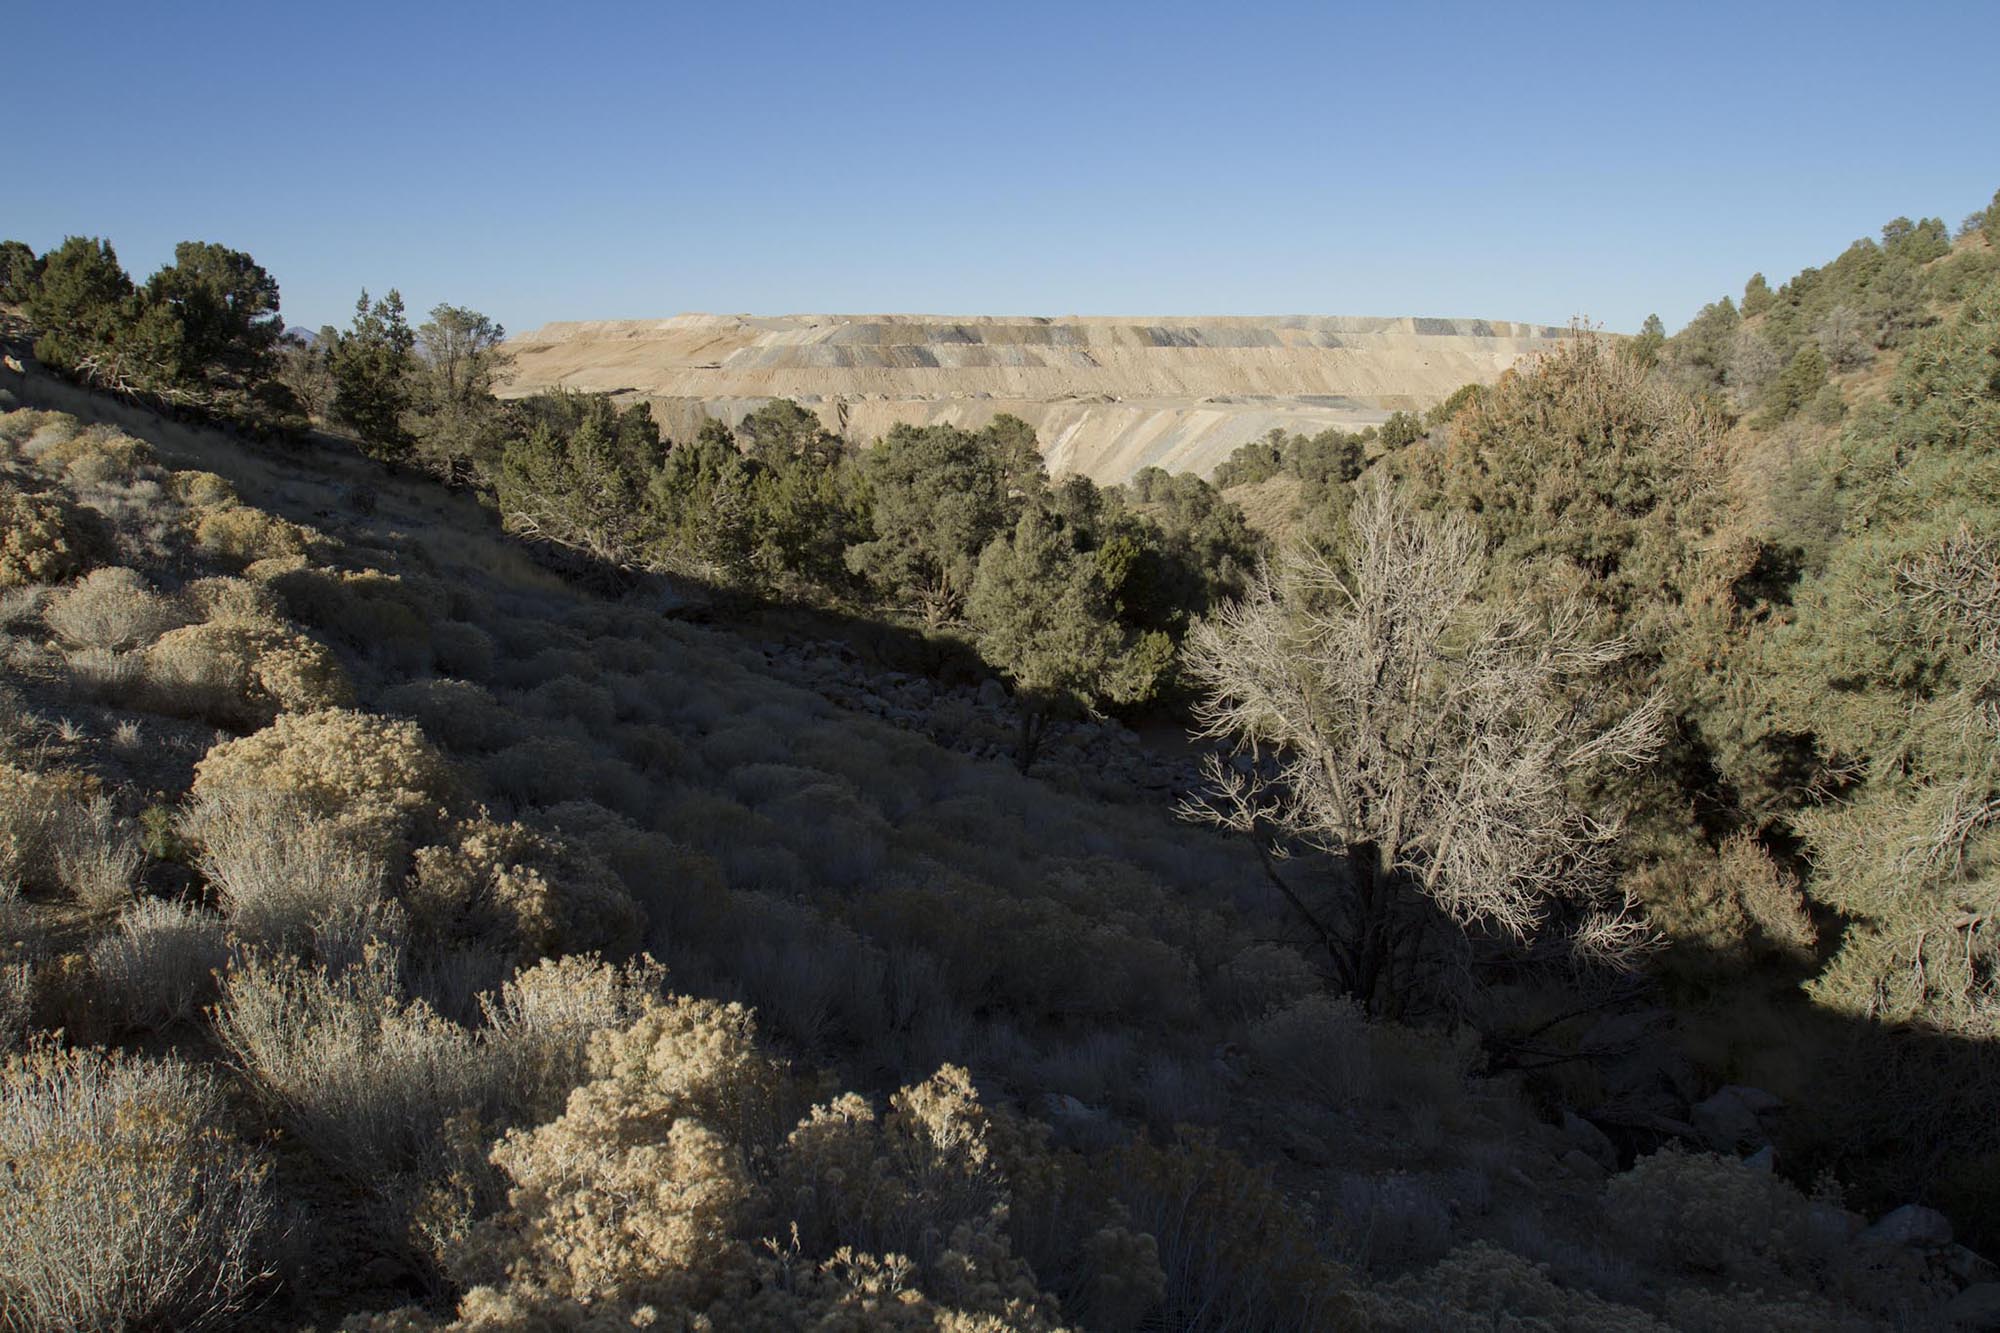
(1107,395)
(1108,442)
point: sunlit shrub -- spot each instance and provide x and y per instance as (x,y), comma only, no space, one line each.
(241,536)
(46,539)
(97,854)
(375,777)
(278,868)
(124,1204)
(224,599)
(541,894)
(94,453)
(34,809)
(243,674)
(112,609)
(203,490)
(541,1022)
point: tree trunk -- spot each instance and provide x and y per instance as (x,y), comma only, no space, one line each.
(1034,726)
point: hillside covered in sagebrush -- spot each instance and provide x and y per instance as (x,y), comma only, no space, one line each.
(489,865)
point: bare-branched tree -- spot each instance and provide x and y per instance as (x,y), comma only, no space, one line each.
(1432,745)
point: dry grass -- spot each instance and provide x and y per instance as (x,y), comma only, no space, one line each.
(158,967)
(278,869)
(97,855)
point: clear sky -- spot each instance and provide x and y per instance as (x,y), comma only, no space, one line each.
(575,160)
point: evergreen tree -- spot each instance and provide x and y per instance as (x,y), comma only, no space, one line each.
(372,375)
(1644,349)
(20,271)
(1756,296)
(781,432)
(1045,615)
(938,497)
(82,306)
(458,423)
(1795,386)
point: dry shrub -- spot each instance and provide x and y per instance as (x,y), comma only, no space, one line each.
(456,713)
(548,770)
(159,965)
(375,777)
(541,1022)
(224,599)
(241,536)
(124,1203)
(97,854)
(1235,1253)
(21,946)
(366,1078)
(203,490)
(1261,978)
(645,1198)
(34,806)
(94,453)
(105,676)
(1034,956)
(1700,1213)
(112,609)
(462,649)
(586,703)
(811,976)
(54,429)
(539,893)
(385,615)
(680,890)
(46,539)
(19,425)
(278,868)
(1484,1286)
(1325,1050)
(239,673)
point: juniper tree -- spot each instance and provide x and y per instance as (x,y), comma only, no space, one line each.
(1045,615)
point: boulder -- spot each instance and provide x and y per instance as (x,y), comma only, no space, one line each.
(1758,1100)
(1913,1226)
(1588,1139)
(1726,1124)
(992,694)
(1765,1159)
(1977,1306)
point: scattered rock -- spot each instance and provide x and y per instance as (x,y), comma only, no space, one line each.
(1912,1225)
(1978,1306)
(1305,1147)
(1590,1140)
(1726,1124)
(1969,1267)
(1582,1164)
(1758,1100)
(1076,1123)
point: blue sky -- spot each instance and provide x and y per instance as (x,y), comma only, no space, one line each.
(575,161)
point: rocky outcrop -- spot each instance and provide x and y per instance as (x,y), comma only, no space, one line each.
(1107,395)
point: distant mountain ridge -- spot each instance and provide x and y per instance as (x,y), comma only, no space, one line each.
(1108,395)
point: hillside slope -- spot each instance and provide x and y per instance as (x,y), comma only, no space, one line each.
(1107,395)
